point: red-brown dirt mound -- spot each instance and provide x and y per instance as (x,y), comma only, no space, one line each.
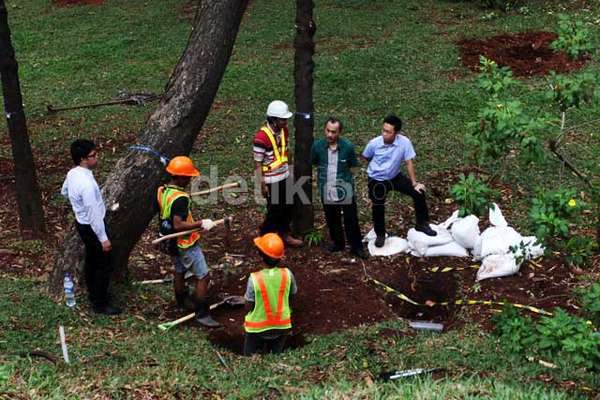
(68,3)
(526,53)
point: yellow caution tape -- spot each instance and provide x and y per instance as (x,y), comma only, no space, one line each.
(448,269)
(458,302)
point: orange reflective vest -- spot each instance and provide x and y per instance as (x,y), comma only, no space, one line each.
(280,154)
(271,301)
(166,196)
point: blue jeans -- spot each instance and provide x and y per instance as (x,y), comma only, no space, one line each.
(191,259)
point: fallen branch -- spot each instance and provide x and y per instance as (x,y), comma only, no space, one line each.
(554,150)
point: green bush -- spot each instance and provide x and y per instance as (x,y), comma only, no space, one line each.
(516,332)
(573,37)
(561,337)
(580,249)
(571,91)
(494,80)
(590,300)
(569,338)
(503,125)
(551,213)
(313,238)
(472,195)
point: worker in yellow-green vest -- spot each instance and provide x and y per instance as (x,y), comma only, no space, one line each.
(174,205)
(268,292)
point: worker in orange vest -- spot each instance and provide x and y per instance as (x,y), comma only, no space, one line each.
(174,205)
(268,292)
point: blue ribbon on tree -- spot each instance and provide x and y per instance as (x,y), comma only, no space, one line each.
(149,150)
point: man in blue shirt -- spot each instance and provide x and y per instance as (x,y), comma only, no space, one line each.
(385,155)
(334,157)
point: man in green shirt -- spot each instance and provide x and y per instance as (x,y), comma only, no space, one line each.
(334,157)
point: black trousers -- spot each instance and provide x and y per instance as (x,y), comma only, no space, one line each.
(98,266)
(333,217)
(378,191)
(279,209)
(264,342)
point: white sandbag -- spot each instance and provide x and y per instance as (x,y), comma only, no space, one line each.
(419,242)
(528,248)
(466,231)
(496,217)
(452,219)
(393,245)
(497,265)
(371,236)
(498,240)
(452,249)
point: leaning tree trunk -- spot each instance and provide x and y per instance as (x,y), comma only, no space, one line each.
(130,189)
(29,200)
(303,121)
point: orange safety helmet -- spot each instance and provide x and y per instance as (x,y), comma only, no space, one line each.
(270,244)
(182,166)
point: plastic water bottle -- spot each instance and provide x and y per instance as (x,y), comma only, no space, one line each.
(69,291)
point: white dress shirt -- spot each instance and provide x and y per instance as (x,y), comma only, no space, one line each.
(83,192)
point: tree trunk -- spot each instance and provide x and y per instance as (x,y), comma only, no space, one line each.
(171,130)
(29,200)
(304,119)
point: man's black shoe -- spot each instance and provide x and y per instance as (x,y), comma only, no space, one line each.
(426,229)
(380,241)
(107,310)
(360,253)
(334,248)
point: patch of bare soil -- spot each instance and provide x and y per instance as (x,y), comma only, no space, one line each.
(526,53)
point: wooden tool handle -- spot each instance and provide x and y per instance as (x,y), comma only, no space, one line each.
(215,189)
(182,233)
(171,324)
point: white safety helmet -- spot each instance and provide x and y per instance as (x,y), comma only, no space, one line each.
(278,109)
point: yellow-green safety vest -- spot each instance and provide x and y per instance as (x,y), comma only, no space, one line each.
(166,196)
(271,301)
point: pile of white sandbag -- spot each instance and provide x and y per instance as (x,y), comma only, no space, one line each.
(456,237)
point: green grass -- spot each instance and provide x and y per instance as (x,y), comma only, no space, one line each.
(373,57)
(124,357)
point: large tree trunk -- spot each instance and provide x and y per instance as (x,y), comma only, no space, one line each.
(303,122)
(171,130)
(29,200)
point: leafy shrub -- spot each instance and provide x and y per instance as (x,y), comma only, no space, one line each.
(494,79)
(590,300)
(472,195)
(580,249)
(516,332)
(568,92)
(551,212)
(313,238)
(502,125)
(570,338)
(560,337)
(573,37)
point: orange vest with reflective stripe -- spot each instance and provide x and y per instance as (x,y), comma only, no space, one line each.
(280,155)
(271,301)
(166,196)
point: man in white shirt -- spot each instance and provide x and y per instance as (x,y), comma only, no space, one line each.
(83,193)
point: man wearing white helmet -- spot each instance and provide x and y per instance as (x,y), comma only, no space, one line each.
(270,147)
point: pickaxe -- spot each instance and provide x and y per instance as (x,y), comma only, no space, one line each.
(182,233)
(215,189)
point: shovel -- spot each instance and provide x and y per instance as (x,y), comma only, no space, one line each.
(229,300)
